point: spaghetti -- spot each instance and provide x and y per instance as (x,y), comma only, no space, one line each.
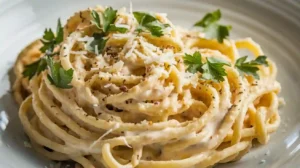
(135,105)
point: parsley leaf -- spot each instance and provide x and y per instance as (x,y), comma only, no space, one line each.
(209,18)
(213,69)
(149,23)
(49,40)
(48,35)
(143,18)
(59,33)
(250,67)
(109,17)
(113,28)
(194,62)
(35,68)
(96,19)
(58,76)
(99,42)
(211,27)
(156,28)
(219,32)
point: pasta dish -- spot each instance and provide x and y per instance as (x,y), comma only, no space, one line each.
(124,89)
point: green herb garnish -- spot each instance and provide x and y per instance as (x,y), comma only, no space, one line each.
(250,67)
(99,42)
(211,70)
(113,28)
(214,70)
(35,68)
(109,16)
(50,40)
(58,76)
(211,27)
(194,62)
(96,19)
(149,23)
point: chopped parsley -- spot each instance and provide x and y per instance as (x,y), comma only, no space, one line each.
(211,70)
(108,17)
(214,70)
(147,22)
(96,19)
(59,33)
(49,40)
(194,62)
(114,28)
(98,43)
(35,68)
(57,75)
(250,67)
(209,18)
(211,27)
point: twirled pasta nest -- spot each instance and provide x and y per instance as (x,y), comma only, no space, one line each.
(136,106)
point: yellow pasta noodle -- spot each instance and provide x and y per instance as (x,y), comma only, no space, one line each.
(135,105)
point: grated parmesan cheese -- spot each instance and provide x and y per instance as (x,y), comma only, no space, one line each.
(117,125)
(78,52)
(118,66)
(96,50)
(116,35)
(122,25)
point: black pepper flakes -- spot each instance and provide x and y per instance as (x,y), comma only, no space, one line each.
(109,107)
(124,88)
(160,152)
(118,110)
(48,149)
(232,107)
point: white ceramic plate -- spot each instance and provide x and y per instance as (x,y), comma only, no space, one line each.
(273,24)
